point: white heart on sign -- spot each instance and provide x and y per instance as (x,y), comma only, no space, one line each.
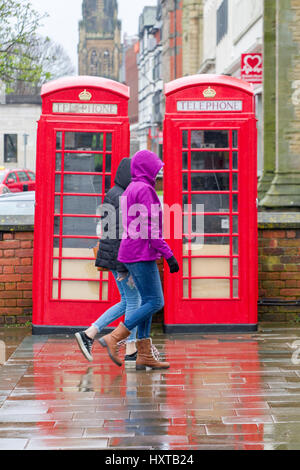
(252,63)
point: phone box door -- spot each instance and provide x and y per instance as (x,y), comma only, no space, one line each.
(79,147)
(210,171)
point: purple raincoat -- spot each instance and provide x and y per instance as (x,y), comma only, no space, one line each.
(142,214)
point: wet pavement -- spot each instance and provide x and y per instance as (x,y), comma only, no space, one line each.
(230,391)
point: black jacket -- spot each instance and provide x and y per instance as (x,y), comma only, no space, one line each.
(109,247)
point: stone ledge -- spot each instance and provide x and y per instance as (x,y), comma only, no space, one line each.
(16,228)
(275,220)
(17,223)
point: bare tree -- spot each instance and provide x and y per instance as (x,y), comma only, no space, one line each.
(54,59)
(51,58)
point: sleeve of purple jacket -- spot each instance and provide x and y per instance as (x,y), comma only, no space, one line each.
(151,202)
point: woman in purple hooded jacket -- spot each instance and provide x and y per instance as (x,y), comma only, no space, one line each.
(142,244)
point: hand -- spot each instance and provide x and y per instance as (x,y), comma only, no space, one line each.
(173,265)
(131,282)
(122,276)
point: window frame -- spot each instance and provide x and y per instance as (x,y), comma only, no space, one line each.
(6,159)
(9,175)
(29,173)
(222,21)
(25,173)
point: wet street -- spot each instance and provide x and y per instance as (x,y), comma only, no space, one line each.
(233,391)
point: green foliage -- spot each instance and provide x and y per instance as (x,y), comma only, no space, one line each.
(18,33)
(27,324)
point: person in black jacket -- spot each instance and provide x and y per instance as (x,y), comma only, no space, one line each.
(107,258)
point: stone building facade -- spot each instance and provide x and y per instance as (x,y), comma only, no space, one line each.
(182,37)
(280,184)
(232,28)
(150,79)
(131,79)
(192,36)
(18,124)
(99,49)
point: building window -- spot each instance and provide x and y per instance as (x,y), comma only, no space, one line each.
(106,64)
(94,58)
(222,20)
(10,148)
(157,106)
(157,67)
(93,63)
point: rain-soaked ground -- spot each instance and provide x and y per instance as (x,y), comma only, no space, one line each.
(230,391)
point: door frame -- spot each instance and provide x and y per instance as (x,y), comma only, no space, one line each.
(65,315)
(214,314)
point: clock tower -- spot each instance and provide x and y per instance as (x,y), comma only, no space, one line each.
(99,49)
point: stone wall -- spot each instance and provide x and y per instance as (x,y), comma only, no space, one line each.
(283,40)
(99,33)
(192,36)
(269,98)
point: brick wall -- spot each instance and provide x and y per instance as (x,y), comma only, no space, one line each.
(132,80)
(168,40)
(16,254)
(279,274)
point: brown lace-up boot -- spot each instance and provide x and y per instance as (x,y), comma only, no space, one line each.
(111,341)
(146,358)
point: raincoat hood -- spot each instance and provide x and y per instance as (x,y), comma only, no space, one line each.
(123,175)
(145,166)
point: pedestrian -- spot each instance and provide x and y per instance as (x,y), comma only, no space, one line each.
(107,258)
(139,251)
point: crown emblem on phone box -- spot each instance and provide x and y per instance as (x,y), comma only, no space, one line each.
(85,95)
(209,93)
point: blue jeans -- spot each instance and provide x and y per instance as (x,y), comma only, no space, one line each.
(147,280)
(130,302)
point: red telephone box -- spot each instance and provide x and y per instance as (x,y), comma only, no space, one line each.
(83,133)
(210,143)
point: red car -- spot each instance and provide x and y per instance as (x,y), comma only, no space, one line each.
(18,180)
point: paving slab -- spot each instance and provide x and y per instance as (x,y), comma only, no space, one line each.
(222,392)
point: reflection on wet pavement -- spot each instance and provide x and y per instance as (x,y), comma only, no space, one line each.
(10,338)
(239,392)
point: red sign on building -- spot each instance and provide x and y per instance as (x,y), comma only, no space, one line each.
(251,68)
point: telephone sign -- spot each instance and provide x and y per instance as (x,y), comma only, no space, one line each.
(225,105)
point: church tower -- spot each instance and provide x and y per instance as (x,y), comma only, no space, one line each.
(99,49)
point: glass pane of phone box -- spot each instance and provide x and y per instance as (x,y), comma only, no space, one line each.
(207,288)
